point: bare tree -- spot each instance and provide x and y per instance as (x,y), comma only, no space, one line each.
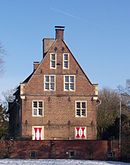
(125,97)
(3,122)
(9,94)
(108,110)
(108,114)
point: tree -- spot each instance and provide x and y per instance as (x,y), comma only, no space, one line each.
(4,118)
(3,122)
(108,115)
(9,95)
(108,111)
(125,108)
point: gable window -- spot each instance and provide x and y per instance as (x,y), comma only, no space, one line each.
(69,83)
(65,61)
(37,108)
(80,132)
(49,82)
(81,108)
(53,61)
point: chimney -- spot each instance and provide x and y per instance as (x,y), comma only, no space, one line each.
(35,65)
(59,32)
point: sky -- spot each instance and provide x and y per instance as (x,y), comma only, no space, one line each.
(96,31)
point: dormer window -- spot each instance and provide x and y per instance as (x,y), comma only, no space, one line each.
(66,61)
(53,61)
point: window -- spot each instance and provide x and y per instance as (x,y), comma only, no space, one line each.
(33,154)
(49,83)
(53,61)
(65,61)
(72,154)
(81,108)
(80,132)
(37,108)
(69,83)
(37,133)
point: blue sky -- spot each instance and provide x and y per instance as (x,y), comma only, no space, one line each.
(96,31)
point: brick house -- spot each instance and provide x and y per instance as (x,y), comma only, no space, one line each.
(57,101)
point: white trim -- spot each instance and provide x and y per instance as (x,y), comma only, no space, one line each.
(65,60)
(33,133)
(53,60)
(77,108)
(42,108)
(50,82)
(69,83)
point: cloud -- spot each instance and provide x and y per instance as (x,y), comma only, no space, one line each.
(68,14)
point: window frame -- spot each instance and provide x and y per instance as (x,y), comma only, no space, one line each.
(65,61)
(50,83)
(51,60)
(70,90)
(81,108)
(37,108)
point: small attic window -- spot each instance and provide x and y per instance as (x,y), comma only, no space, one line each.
(53,60)
(65,60)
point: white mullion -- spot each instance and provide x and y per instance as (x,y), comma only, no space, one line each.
(38,109)
(80,109)
(69,83)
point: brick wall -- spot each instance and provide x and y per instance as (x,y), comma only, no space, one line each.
(77,149)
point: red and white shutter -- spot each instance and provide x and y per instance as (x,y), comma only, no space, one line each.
(37,133)
(80,132)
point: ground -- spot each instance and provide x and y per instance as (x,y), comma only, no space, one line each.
(57,162)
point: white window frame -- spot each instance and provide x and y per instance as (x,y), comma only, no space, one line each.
(65,61)
(42,132)
(69,83)
(80,132)
(37,108)
(49,83)
(81,108)
(51,60)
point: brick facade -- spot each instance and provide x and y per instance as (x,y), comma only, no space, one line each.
(60,149)
(59,120)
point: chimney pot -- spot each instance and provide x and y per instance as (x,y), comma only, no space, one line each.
(35,65)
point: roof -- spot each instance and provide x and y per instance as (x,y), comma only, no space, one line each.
(28,78)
